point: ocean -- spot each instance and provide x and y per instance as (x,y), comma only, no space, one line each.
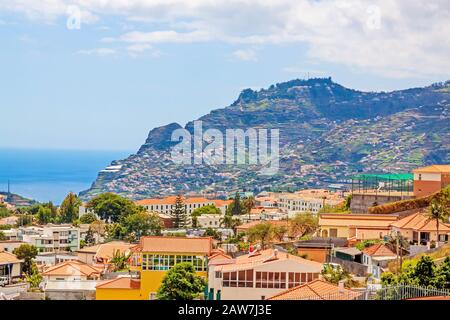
(49,175)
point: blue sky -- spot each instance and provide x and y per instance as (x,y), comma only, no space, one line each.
(137,64)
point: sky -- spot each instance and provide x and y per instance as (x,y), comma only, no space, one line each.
(99,74)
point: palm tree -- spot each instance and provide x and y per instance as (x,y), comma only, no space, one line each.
(439,211)
(399,242)
(120,260)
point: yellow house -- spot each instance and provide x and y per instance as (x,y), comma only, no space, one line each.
(152,258)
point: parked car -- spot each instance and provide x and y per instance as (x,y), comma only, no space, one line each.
(4,281)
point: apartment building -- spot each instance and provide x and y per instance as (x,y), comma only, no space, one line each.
(51,238)
(310,200)
(166,205)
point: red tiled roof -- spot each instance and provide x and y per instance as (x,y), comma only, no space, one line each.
(379,250)
(120,283)
(175,245)
(316,290)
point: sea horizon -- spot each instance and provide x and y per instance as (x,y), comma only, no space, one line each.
(50,174)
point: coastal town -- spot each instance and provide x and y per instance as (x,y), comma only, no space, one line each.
(380,237)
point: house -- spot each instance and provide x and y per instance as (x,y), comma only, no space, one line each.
(71,280)
(10,245)
(377,257)
(259,275)
(431,179)
(209,221)
(356,226)
(152,258)
(100,255)
(10,266)
(419,229)
(72,271)
(318,290)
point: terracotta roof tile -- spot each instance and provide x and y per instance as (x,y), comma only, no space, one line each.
(175,245)
(73,267)
(437,168)
(7,257)
(420,222)
(379,250)
(316,290)
(120,283)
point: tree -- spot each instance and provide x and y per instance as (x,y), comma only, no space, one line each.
(228,221)
(210,232)
(2,236)
(69,208)
(27,253)
(4,212)
(262,232)
(112,207)
(24,220)
(88,218)
(179,213)
(34,278)
(334,274)
(247,204)
(89,239)
(279,232)
(44,215)
(439,211)
(235,208)
(304,224)
(181,283)
(442,279)
(424,271)
(120,260)
(142,224)
(115,231)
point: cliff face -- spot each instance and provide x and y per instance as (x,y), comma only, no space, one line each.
(327,132)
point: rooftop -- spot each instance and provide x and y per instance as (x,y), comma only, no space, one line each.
(420,222)
(172,199)
(72,268)
(106,251)
(379,250)
(175,245)
(7,257)
(316,290)
(120,283)
(437,168)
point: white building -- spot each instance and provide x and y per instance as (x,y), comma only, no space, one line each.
(310,200)
(258,275)
(51,238)
(166,205)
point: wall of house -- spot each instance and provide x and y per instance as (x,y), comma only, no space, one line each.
(342,231)
(87,258)
(370,234)
(424,188)
(66,278)
(69,295)
(314,254)
(119,294)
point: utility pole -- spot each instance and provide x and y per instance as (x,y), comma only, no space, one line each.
(397,245)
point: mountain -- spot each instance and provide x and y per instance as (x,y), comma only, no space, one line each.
(327,133)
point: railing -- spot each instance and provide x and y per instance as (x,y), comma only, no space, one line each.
(402,292)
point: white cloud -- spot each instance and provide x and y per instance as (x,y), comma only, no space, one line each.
(395,38)
(139,49)
(245,55)
(101,52)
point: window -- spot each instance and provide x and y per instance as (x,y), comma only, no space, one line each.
(241,279)
(166,262)
(333,233)
(271,280)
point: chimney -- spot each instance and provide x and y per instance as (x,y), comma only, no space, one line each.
(341,287)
